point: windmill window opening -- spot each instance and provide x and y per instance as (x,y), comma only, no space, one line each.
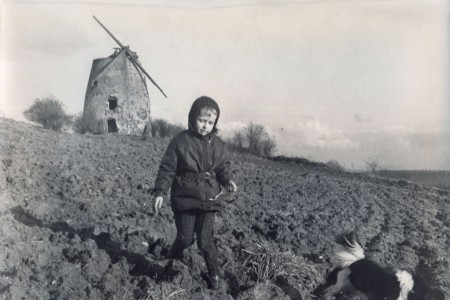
(112,102)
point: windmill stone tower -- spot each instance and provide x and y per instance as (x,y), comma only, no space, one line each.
(117,98)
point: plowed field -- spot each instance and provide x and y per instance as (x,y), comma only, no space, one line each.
(76,222)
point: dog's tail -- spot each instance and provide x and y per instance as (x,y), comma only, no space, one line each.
(349,250)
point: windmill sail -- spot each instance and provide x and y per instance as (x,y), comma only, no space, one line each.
(130,55)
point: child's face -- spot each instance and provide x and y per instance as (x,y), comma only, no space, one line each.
(204,123)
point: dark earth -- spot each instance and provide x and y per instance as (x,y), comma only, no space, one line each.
(77,223)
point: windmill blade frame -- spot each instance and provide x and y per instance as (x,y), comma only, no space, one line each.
(146,74)
(130,55)
(109,32)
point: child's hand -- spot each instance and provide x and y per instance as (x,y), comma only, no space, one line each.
(231,186)
(158,203)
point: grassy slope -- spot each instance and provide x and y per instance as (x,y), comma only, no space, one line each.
(76,220)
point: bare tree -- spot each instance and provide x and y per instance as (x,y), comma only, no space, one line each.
(255,135)
(255,139)
(372,165)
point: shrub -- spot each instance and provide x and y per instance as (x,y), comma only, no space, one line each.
(253,139)
(162,128)
(237,140)
(267,147)
(47,112)
(334,165)
(77,124)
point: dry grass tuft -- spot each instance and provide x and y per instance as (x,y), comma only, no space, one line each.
(265,261)
(165,291)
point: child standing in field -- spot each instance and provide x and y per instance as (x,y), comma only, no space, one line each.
(195,167)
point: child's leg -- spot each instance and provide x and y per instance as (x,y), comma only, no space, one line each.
(204,229)
(185,224)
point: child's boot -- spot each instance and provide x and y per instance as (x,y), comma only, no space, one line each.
(215,282)
(172,253)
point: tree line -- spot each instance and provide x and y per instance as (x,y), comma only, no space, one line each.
(49,113)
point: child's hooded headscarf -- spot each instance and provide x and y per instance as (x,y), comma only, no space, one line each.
(198,105)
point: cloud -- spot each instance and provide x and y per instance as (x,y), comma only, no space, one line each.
(231,127)
(318,135)
(362,119)
(393,147)
(392,130)
(399,147)
(312,133)
(431,140)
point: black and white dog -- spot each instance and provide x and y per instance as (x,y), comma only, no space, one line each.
(363,279)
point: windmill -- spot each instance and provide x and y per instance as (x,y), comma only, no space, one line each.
(117,98)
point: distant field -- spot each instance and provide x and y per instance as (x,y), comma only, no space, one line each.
(439,179)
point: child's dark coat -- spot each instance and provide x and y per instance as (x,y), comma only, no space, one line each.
(194,166)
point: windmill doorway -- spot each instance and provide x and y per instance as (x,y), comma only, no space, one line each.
(112,126)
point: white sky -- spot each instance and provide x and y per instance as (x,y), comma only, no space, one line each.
(330,80)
